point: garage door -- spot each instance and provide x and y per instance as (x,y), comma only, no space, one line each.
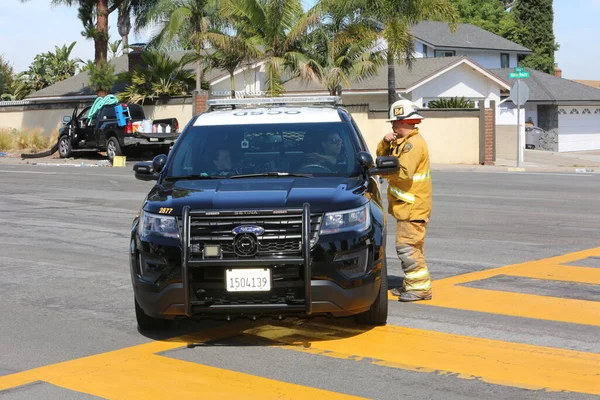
(579,128)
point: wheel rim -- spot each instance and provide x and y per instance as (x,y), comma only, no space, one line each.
(63,147)
(110,149)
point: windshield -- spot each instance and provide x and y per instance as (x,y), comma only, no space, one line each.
(311,149)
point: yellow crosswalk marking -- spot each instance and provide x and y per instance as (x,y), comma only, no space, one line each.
(138,373)
(493,361)
(448,293)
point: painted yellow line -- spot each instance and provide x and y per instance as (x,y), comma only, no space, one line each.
(509,269)
(560,273)
(517,304)
(137,373)
(493,361)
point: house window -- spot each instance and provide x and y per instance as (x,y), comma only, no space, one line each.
(444,53)
(425,50)
(504,60)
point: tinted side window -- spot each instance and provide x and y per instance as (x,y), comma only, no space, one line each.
(136,111)
(363,144)
(108,112)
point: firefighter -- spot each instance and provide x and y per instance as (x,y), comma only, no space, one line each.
(409,197)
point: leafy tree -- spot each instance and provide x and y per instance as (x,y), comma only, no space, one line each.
(102,77)
(7,76)
(342,47)
(396,18)
(230,53)
(537,17)
(492,16)
(185,23)
(161,76)
(275,28)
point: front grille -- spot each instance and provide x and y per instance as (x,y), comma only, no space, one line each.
(208,287)
(282,232)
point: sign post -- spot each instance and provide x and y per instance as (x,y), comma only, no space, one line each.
(519,94)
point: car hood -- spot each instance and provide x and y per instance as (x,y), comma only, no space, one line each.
(323,194)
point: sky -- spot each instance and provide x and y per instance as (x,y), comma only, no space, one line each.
(31,28)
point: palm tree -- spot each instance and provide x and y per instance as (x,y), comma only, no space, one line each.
(343,47)
(187,23)
(274,28)
(231,52)
(396,18)
(161,77)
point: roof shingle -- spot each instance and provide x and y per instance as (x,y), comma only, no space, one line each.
(467,36)
(549,88)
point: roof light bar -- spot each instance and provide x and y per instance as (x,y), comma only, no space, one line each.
(275,100)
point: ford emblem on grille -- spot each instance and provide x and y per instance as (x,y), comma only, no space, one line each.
(255,230)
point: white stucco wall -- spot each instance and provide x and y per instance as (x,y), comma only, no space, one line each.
(250,81)
(506,114)
(460,81)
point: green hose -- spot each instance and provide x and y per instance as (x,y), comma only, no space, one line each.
(101,102)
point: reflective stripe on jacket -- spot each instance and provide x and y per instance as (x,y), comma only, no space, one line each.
(409,192)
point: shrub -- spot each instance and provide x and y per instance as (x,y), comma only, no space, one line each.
(6,140)
(454,102)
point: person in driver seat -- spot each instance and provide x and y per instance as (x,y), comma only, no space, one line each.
(331,148)
(222,162)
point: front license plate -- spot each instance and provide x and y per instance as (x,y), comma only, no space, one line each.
(153,139)
(248,280)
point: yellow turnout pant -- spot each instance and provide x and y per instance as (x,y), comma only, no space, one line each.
(410,237)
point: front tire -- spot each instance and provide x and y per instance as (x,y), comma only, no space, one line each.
(64,147)
(148,323)
(377,314)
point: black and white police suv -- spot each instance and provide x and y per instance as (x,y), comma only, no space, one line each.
(264,207)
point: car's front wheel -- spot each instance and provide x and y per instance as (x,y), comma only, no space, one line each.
(148,323)
(64,147)
(377,314)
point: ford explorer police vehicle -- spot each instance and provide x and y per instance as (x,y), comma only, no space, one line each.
(264,207)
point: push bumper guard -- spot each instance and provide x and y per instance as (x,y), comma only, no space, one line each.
(189,264)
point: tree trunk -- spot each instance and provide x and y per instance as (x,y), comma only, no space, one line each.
(198,76)
(232,80)
(124,23)
(101,39)
(392,97)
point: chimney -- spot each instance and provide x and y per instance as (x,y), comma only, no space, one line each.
(134,57)
(557,71)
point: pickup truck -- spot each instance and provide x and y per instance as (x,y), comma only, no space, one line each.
(103,133)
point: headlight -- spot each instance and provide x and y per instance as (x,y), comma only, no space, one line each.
(158,226)
(357,219)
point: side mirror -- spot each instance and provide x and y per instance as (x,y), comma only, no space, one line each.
(158,163)
(365,159)
(66,120)
(385,165)
(144,171)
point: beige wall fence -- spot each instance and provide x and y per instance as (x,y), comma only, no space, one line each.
(47,117)
(453,136)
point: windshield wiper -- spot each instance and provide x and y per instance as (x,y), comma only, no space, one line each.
(193,177)
(272,174)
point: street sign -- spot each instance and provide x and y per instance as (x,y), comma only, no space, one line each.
(519,93)
(519,69)
(518,75)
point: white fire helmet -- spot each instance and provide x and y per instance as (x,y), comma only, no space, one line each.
(404,110)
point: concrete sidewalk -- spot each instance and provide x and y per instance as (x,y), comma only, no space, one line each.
(537,161)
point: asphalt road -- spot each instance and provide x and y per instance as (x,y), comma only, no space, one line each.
(66,294)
